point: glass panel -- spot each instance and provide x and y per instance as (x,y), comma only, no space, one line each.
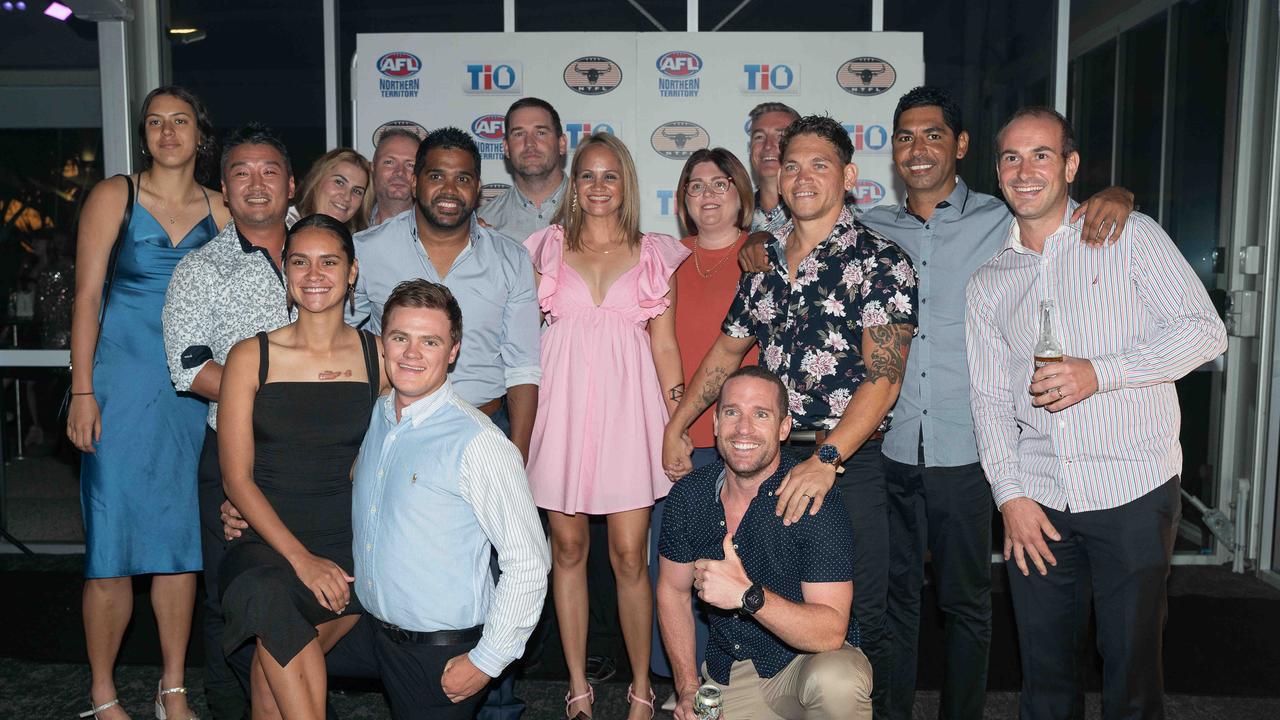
(1093,115)
(994,56)
(599,15)
(1138,163)
(779,15)
(260,61)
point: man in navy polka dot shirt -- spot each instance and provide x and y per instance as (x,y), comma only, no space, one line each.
(783,639)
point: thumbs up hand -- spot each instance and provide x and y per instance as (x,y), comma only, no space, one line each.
(722,582)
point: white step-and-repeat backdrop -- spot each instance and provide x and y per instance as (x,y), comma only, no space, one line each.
(665,94)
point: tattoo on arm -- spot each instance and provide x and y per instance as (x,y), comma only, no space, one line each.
(711,386)
(676,393)
(888,358)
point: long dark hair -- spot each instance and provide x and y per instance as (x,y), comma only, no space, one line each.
(320,221)
(206,151)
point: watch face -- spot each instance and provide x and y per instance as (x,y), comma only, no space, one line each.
(829,454)
(753,599)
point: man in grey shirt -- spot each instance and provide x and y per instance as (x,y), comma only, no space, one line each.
(535,147)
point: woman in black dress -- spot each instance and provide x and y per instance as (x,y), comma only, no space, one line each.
(294,407)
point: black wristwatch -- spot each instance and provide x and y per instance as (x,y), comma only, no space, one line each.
(829,455)
(753,599)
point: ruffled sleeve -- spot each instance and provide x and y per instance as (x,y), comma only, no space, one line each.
(546,248)
(660,255)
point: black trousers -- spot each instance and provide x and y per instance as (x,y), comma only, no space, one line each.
(226,678)
(947,510)
(1119,559)
(862,488)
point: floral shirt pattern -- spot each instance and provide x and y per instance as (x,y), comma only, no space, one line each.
(810,333)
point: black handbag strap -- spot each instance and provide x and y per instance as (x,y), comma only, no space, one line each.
(111,261)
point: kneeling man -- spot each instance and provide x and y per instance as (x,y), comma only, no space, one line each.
(783,640)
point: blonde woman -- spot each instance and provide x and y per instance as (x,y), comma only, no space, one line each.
(337,185)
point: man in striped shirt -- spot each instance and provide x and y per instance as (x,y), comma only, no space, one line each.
(1083,455)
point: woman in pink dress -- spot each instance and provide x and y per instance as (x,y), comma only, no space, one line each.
(610,377)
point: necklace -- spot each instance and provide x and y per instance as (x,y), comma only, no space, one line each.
(597,250)
(164,204)
(697,263)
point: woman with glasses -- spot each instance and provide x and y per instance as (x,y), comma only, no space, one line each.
(714,204)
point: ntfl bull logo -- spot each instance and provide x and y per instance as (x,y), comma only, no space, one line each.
(489,130)
(398,70)
(866,76)
(409,125)
(771,78)
(491,191)
(592,75)
(679,139)
(679,68)
(493,78)
(867,193)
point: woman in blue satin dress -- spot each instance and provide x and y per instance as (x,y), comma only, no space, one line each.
(141,440)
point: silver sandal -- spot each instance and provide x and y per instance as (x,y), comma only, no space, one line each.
(161,691)
(104,706)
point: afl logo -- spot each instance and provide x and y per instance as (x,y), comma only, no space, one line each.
(866,76)
(488,127)
(679,64)
(399,65)
(409,125)
(679,139)
(868,192)
(491,191)
(592,75)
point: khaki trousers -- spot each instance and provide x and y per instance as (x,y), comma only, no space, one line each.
(833,685)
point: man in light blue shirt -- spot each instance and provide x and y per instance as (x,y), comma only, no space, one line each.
(490,274)
(437,488)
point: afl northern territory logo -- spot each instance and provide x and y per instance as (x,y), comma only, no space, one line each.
(866,76)
(679,139)
(592,75)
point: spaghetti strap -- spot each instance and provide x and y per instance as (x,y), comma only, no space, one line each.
(263,343)
(208,205)
(371,369)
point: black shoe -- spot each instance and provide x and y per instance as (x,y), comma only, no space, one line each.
(600,668)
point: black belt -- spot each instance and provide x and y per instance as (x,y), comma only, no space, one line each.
(435,637)
(820,437)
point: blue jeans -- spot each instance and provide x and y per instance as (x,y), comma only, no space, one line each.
(658,662)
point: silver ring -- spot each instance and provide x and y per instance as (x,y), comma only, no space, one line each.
(1059,389)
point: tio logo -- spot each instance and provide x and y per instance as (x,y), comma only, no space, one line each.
(578,132)
(492,77)
(665,198)
(768,78)
(867,138)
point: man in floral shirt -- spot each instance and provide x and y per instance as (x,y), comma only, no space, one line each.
(834,316)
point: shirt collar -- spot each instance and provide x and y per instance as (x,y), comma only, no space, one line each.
(554,198)
(1014,241)
(959,199)
(421,409)
(771,483)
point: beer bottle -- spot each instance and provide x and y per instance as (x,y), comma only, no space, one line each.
(1048,349)
(706,703)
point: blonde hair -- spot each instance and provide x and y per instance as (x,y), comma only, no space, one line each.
(323,168)
(570,215)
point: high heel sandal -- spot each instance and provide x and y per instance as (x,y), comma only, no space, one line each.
(161,691)
(104,706)
(570,699)
(632,699)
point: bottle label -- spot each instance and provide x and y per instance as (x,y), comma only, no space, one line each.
(1042,360)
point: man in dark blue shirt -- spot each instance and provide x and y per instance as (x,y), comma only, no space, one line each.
(783,640)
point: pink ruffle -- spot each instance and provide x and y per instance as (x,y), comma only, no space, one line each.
(660,255)
(546,248)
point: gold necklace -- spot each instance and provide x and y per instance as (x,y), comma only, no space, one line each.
(164,204)
(697,264)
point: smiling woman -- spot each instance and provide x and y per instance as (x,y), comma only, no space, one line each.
(338,186)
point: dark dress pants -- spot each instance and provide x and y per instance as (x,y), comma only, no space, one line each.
(411,673)
(226,678)
(862,487)
(1119,559)
(947,510)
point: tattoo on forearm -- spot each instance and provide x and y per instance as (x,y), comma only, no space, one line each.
(676,393)
(711,386)
(888,359)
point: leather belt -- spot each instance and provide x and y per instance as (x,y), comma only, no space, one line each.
(492,406)
(820,437)
(437,637)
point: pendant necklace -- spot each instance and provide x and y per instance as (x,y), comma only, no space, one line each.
(697,264)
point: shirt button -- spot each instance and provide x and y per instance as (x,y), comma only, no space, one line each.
(924,300)
(926,412)
(379,473)
(373,508)
(922,337)
(721,523)
(770,493)
(368,546)
(923,374)
(737,646)
(735,546)
(924,263)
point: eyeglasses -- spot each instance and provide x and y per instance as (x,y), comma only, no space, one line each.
(719,186)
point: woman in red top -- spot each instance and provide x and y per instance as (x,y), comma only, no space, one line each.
(714,203)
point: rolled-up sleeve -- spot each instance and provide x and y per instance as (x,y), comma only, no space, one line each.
(493,482)
(188,320)
(521,334)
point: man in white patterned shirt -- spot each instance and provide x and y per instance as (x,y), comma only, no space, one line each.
(1083,455)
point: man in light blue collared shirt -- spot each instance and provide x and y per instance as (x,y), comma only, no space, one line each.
(490,274)
(437,488)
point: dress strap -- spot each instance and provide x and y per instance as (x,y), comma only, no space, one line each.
(263,344)
(208,205)
(371,369)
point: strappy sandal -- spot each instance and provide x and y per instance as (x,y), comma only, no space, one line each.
(161,691)
(632,699)
(570,699)
(104,706)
